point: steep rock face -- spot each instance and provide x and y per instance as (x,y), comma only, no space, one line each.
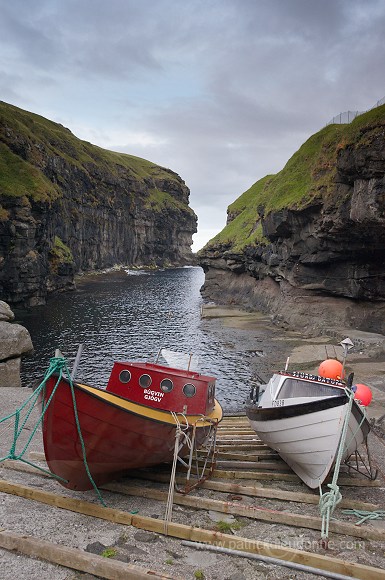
(68,206)
(320,263)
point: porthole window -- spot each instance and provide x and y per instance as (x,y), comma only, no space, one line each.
(189,390)
(145,381)
(125,376)
(166,386)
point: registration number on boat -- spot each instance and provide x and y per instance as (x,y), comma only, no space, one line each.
(278,402)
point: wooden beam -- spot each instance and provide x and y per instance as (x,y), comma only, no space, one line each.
(222,487)
(234,474)
(253,512)
(259,475)
(254,546)
(76,559)
(344,481)
(231,440)
(275,465)
(259,491)
(255,456)
(239,447)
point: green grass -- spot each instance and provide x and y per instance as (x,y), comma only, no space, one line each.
(109,553)
(309,175)
(19,178)
(225,527)
(41,137)
(59,254)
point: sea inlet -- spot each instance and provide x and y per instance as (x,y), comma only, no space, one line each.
(128,315)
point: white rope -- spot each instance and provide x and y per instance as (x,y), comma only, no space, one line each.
(330,499)
(181,438)
(177,446)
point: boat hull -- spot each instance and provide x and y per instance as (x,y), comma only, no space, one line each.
(307,435)
(117,435)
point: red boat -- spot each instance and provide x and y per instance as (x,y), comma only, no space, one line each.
(93,435)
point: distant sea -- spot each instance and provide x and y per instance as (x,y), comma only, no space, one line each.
(129,315)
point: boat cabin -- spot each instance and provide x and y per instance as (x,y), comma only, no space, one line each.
(299,384)
(162,387)
(296,385)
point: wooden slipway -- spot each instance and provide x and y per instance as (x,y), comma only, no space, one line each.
(244,469)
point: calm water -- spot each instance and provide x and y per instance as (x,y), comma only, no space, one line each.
(130,316)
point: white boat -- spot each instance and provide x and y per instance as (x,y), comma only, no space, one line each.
(302,416)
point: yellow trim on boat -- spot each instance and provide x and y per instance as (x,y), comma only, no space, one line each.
(151,413)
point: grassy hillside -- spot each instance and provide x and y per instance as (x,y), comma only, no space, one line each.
(307,176)
(19,177)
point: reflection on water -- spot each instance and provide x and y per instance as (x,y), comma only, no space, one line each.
(130,316)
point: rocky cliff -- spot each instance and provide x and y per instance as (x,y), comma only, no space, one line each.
(308,244)
(68,206)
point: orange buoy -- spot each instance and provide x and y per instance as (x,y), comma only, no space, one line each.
(331,369)
(362,394)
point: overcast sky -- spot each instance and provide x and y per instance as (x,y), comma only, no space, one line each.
(221,91)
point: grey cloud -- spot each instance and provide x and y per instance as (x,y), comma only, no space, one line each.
(229,88)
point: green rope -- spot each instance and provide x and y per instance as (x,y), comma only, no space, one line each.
(29,404)
(330,499)
(57,364)
(364,515)
(82,442)
(364,417)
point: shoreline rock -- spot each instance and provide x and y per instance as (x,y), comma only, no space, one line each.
(293,308)
(15,341)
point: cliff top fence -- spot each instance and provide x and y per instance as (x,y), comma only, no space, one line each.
(348,116)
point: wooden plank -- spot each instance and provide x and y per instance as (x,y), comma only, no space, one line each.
(275,465)
(253,512)
(235,426)
(239,438)
(354,570)
(223,487)
(242,448)
(344,481)
(76,559)
(234,430)
(230,419)
(222,474)
(258,456)
(262,492)
(256,475)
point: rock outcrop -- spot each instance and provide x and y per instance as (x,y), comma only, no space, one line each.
(14,342)
(67,206)
(308,245)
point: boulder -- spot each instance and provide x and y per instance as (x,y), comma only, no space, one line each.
(5,312)
(15,341)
